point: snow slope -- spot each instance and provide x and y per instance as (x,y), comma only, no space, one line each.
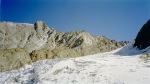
(121,66)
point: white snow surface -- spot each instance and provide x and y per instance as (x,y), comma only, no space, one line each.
(121,66)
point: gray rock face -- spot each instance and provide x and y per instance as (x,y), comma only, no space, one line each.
(42,42)
(13,35)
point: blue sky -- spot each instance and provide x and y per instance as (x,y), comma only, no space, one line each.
(115,19)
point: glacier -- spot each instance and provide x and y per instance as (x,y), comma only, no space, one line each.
(121,66)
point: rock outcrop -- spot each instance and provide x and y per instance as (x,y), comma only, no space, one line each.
(142,40)
(41,42)
(13,58)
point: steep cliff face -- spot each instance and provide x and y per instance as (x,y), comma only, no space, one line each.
(143,38)
(42,42)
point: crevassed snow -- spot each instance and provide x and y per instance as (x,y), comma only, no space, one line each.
(117,67)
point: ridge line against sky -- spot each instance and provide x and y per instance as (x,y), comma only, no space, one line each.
(115,19)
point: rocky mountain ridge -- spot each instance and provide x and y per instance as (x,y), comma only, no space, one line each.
(38,41)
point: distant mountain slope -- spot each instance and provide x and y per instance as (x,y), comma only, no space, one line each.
(39,42)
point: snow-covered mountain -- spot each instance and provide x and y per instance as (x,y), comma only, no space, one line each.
(121,66)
